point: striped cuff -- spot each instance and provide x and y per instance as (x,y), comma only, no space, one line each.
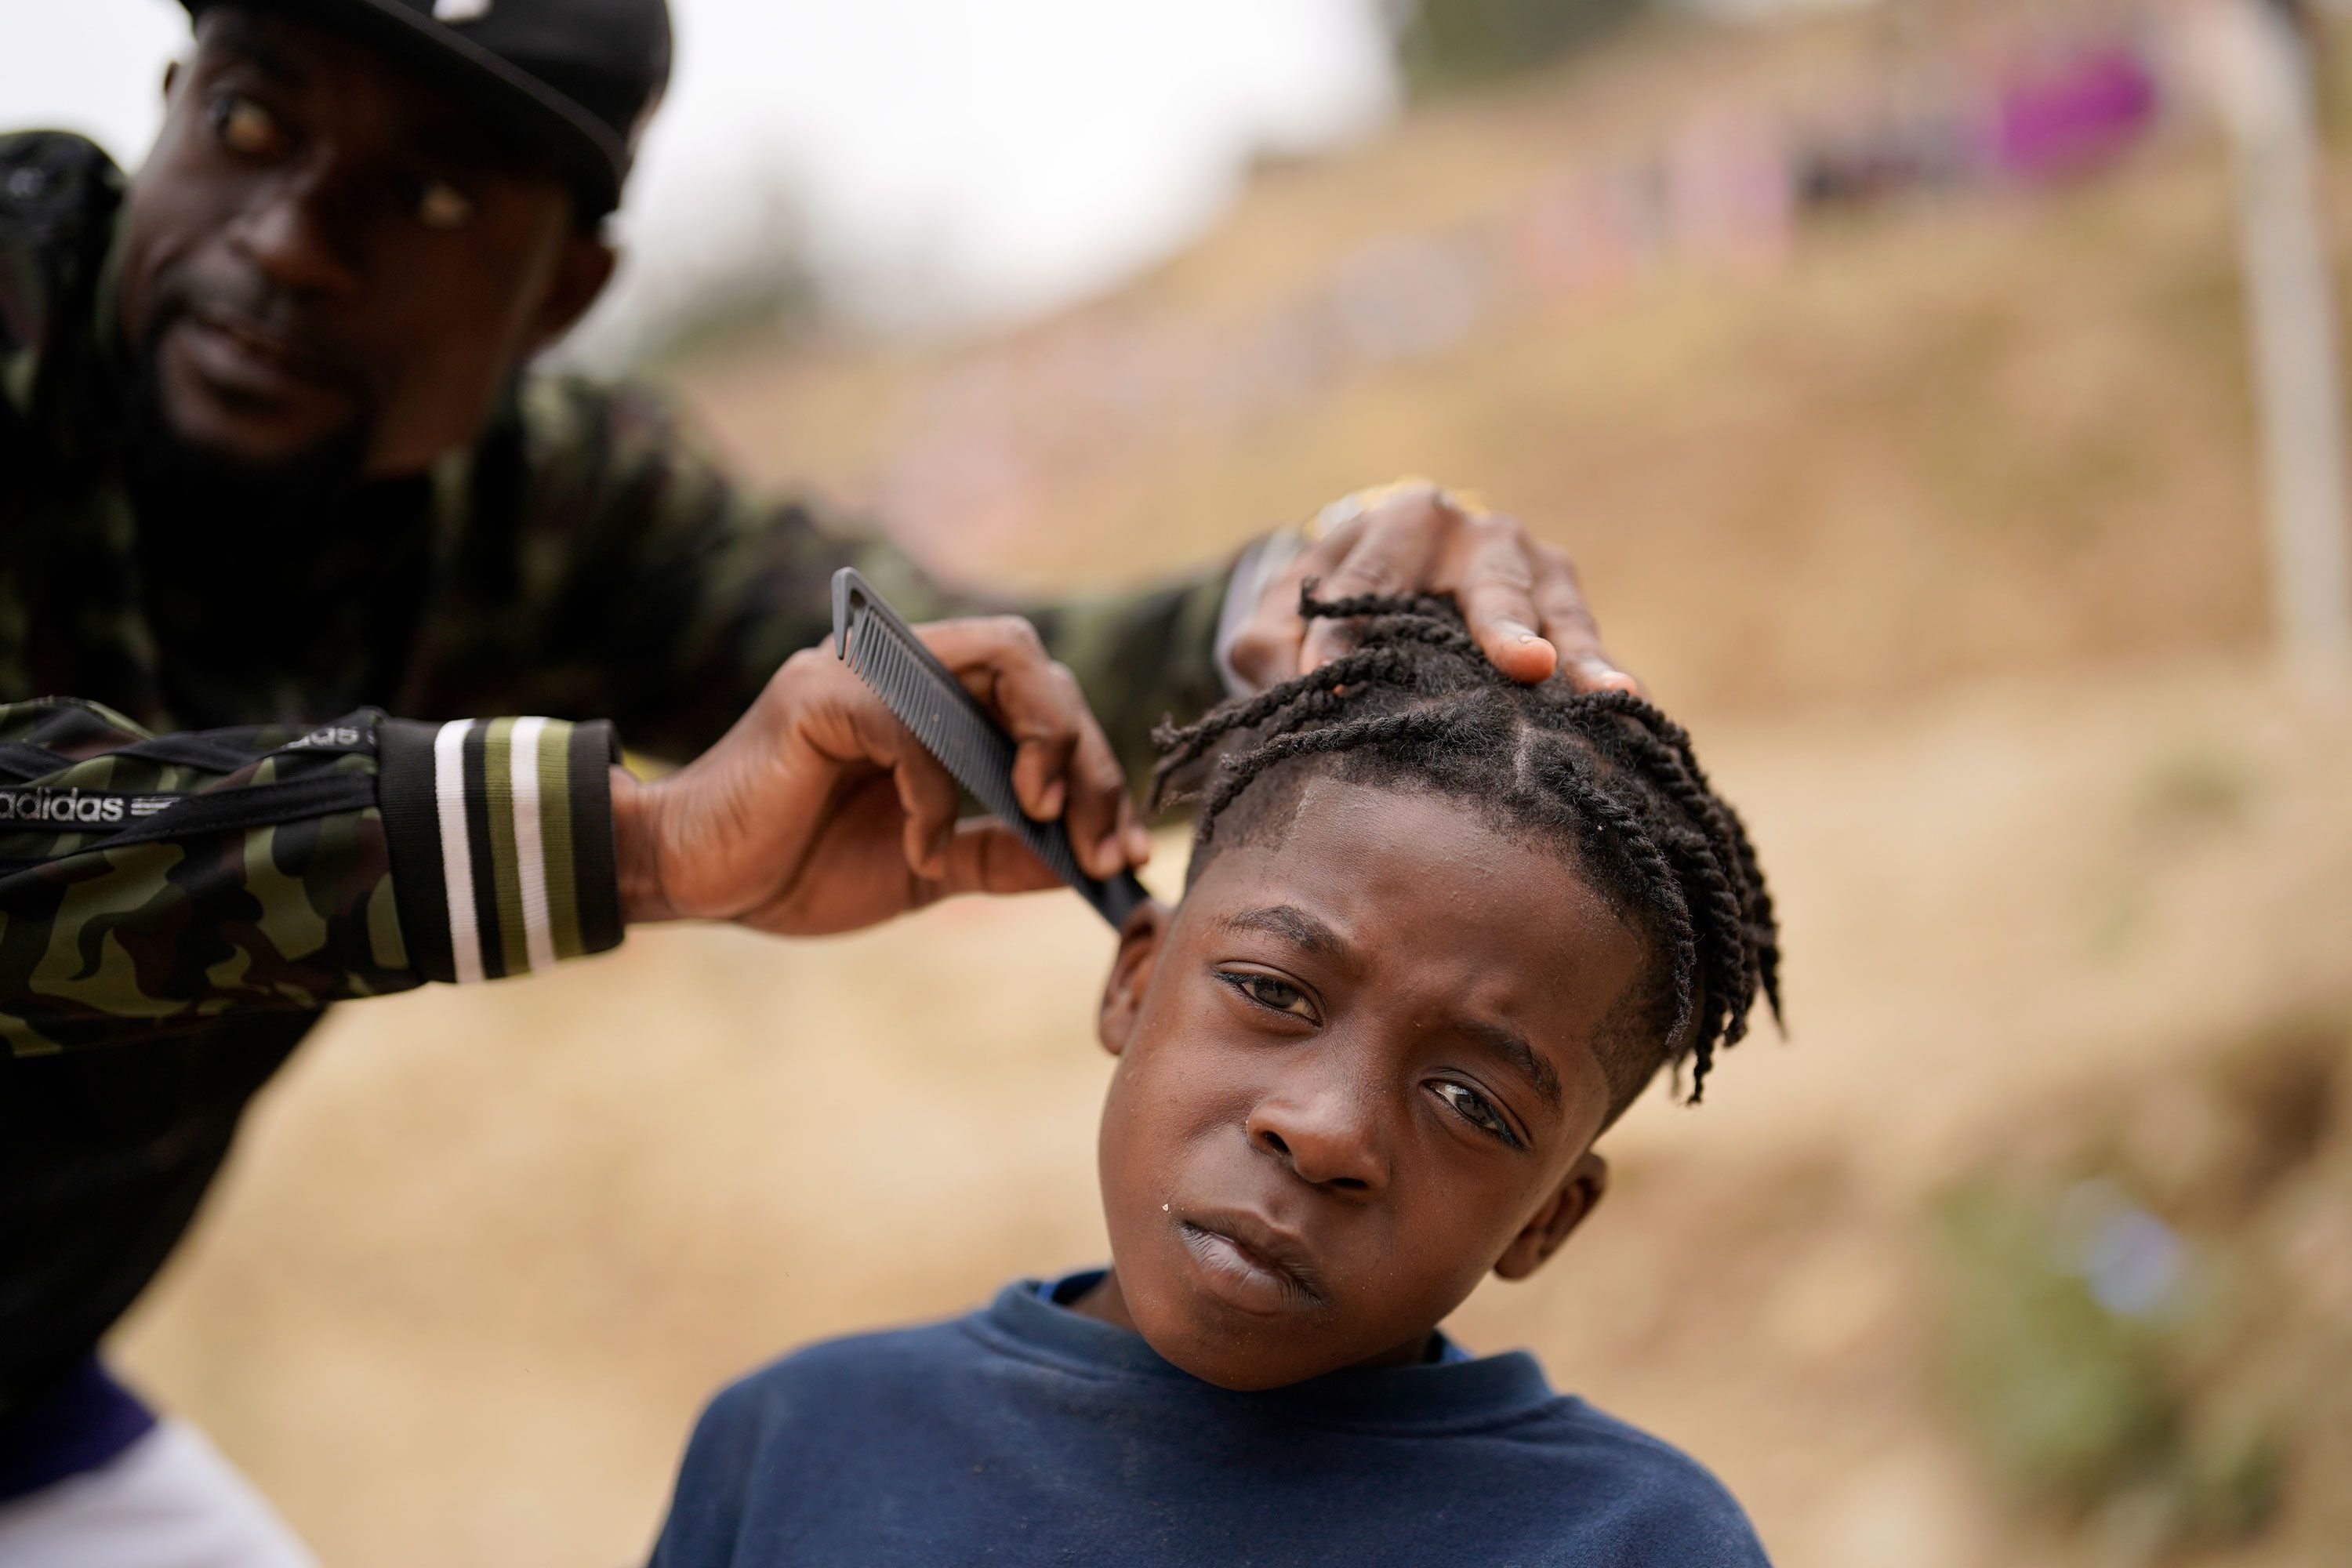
(501,839)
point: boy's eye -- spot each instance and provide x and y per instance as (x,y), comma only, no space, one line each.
(1476,1109)
(245,128)
(1278,995)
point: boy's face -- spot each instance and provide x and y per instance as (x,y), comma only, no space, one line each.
(1357,1070)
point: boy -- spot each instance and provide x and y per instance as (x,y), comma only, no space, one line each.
(1438,930)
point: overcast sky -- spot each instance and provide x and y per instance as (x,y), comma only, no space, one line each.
(948,156)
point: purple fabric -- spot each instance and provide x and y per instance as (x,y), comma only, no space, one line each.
(2053,123)
(77,1422)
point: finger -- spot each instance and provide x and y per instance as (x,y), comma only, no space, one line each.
(1063,764)
(1003,663)
(1497,590)
(1399,542)
(1102,813)
(983,855)
(1266,650)
(1569,626)
(1046,713)
(925,793)
(1041,756)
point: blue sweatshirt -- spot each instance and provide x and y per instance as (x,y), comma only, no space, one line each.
(1026,1434)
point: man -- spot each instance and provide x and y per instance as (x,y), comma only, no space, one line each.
(271,467)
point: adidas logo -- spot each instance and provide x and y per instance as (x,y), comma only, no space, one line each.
(325,735)
(41,803)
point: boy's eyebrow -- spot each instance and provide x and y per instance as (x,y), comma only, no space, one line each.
(1291,924)
(1513,1047)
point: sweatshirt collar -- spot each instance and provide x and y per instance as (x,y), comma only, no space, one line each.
(1027,1320)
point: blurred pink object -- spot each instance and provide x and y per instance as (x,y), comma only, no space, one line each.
(2056,121)
(1729,188)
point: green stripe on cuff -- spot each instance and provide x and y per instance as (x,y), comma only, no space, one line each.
(506,890)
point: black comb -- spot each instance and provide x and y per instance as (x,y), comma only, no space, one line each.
(885,653)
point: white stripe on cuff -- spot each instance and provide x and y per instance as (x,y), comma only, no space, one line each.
(456,853)
(530,871)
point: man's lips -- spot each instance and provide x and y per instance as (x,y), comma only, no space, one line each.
(242,358)
(1249,1261)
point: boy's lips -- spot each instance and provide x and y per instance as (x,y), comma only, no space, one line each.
(1248,1261)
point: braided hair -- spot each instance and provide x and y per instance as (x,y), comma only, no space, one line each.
(1604,776)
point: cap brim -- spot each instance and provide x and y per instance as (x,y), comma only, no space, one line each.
(586,149)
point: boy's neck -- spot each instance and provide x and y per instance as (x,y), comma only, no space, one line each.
(1105,1303)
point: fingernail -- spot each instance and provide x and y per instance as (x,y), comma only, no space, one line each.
(1050,805)
(1139,845)
(1601,672)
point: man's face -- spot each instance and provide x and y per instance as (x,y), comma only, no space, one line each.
(321,247)
(1356,1072)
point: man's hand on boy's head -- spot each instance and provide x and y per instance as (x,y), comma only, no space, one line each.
(1519,594)
(820,811)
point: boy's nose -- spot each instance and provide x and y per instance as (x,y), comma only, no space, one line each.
(1328,1139)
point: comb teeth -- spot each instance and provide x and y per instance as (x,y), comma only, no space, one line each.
(885,653)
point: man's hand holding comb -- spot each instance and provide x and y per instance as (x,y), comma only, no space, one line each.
(819,812)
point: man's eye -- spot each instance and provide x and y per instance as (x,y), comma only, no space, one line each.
(440,204)
(1476,1109)
(244,127)
(1279,996)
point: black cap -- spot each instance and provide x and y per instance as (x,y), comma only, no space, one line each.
(580,78)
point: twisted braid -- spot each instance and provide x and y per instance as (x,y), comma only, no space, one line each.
(1735,893)
(1614,815)
(1696,795)
(1236,773)
(1181,748)
(1416,704)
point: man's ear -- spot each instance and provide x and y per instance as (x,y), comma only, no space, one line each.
(1580,1194)
(581,269)
(1130,973)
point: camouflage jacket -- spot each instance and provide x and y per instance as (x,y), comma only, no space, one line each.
(209,830)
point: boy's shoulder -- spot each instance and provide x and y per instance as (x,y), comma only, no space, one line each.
(866,1366)
(1651,1484)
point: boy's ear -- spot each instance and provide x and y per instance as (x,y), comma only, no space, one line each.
(1580,1194)
(1130,973)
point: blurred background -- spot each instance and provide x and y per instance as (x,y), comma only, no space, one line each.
(1938,397)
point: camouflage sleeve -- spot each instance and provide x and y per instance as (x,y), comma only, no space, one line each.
(700,588)
(149,881)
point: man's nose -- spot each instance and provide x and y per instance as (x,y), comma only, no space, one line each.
(1327,1133)
(299,235)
